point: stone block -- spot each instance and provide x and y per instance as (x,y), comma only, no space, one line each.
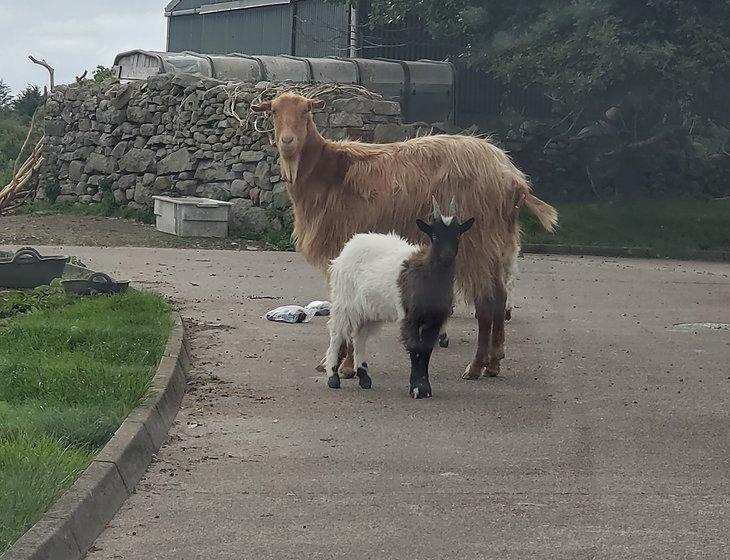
(99,163)
(187,187)
(240,188)
(75,170)
(252,157)
(280,196)
(244,217)
(176,162)
(137,160)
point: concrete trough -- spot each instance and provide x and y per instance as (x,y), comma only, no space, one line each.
(191,216)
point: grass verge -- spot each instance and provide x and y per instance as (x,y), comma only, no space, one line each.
(272,239)
(71,370)
(666,225)
(663,224)
(107,207)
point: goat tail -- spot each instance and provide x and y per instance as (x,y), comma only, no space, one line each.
(546,214)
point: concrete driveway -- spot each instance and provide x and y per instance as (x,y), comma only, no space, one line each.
(606,436)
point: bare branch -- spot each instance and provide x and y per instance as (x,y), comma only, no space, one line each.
(82,76)
(47,66)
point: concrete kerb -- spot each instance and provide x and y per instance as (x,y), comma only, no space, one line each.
(70,527)
(628,252)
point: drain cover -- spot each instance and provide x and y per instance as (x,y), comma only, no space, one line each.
(701,327)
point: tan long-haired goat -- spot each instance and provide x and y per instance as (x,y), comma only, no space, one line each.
(342,188)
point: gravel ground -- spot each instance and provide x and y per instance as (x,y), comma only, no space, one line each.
(99,231)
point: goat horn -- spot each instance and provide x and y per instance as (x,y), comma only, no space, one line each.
(436,209)
(452,206)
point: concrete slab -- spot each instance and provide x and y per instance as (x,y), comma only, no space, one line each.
(88,500)
(155,425)
(605,437)
(53,538)
(134,449)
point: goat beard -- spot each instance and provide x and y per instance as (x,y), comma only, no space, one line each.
(289,167)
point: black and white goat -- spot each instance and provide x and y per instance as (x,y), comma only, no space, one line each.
(381,278)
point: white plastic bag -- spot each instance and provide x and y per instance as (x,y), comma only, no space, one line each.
(322,308)
(291,314)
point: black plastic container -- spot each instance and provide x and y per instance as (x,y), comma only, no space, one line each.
(96,283)
(27,268)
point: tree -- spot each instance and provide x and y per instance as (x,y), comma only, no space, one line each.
(28,101)
(101,73)
(662,62)
(5,95)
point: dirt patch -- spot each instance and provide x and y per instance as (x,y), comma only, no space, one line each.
(99,231)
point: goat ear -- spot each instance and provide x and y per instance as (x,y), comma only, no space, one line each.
(316,104)
(424,227)
(466,226)
(261,107)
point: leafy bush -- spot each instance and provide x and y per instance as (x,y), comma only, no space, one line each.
(16,302)
(5,95)
(645,82)
(12,133)
(101,73)
(28,101)
(662,62)
(51,190)
(13,130)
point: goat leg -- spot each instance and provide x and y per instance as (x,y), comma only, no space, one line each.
(420,388)
(323,368)
(347,365)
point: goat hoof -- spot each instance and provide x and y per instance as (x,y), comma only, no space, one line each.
(444,341)
(346,372)
(508,315)
(472,372)
(421,390)
(492,369)
(364,379)
(333,381)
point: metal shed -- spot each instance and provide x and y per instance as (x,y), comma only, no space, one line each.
(295,27)
(322,29)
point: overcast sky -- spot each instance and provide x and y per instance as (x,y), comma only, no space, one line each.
(73,35)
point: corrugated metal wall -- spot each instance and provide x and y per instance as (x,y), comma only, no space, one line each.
(264,30)
(322,28)
(184,33)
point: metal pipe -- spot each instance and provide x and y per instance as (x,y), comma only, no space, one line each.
(352,46)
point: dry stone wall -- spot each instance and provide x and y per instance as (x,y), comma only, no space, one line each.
(171,134)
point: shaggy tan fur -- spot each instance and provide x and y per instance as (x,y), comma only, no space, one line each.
(386,187)
(343,188)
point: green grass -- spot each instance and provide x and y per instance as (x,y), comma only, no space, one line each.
(663,224)
(275,239)
(70,372)
(35,473)
(16,302)
(671,225)
(107,207)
